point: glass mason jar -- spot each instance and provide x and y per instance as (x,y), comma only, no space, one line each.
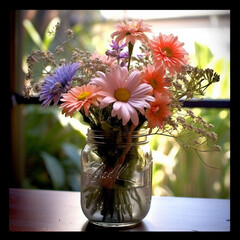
(116,178)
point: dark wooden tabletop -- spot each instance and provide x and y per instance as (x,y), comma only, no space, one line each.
(47,210)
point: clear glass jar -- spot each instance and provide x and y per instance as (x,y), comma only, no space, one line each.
(116,178)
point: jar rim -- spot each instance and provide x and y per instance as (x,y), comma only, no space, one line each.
(101,137)
(139,133)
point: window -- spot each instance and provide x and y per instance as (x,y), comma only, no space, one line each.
(210,29)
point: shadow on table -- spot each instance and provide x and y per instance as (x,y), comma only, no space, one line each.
(90,227)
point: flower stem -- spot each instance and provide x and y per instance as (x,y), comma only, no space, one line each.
(130,50)
(110,174)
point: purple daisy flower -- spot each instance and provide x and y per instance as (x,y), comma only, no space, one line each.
(57,84)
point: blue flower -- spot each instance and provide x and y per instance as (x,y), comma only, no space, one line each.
(53,86)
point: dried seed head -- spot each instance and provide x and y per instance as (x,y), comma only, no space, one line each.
(69,33)
(217,148)
(213,136)
(180,119)
(27,91)
(59,50)
(62,61)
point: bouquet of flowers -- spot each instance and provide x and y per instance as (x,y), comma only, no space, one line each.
(119,92)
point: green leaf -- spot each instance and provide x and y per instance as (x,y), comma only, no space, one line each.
(55,170)
(154,142)
(47,39)
(33,33)
(72,153)
(203,55)
(74,182)
(222,66)
(77,28)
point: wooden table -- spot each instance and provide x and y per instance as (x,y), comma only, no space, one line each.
(44,210)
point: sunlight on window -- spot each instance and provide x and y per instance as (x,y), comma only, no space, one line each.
(188,25)
(158,14)
(74,122)
(175,171)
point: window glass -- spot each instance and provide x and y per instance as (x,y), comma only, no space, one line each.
(50,137)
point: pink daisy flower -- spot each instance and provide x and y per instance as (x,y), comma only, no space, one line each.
(127,93)
(167,50)
(79,97)
(132,31)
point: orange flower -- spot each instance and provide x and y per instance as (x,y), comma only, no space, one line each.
(155,76)
(132,31)
(167,50)
(79,97)
(158,111)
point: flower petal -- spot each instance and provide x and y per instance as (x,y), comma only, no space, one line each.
(117,105)
(133,80)
(124,113)
(133,114)
(142,89)
(106,101)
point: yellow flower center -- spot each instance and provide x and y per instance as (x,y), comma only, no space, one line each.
(154,83)
(167,51)
(131,26)
(135,26)
(122,94)
(82,96)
